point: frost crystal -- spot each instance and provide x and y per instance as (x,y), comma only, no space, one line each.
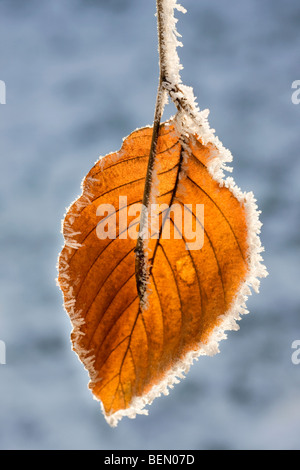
(170,41)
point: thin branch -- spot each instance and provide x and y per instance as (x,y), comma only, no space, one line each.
(159,107)
(141,258)
(169,83)
(180,100)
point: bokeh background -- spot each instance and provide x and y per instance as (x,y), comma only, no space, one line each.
(80,76)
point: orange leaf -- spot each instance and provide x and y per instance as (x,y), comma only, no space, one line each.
(134,350)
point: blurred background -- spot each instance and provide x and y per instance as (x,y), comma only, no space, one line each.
(80,75)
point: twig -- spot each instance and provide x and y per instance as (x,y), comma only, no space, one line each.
(183,105)
(141,258)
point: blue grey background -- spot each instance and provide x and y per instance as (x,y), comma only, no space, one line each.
(80,76)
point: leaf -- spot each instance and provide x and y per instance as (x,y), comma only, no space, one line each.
(134,350)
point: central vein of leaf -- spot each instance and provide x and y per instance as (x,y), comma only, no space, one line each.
(168,211)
